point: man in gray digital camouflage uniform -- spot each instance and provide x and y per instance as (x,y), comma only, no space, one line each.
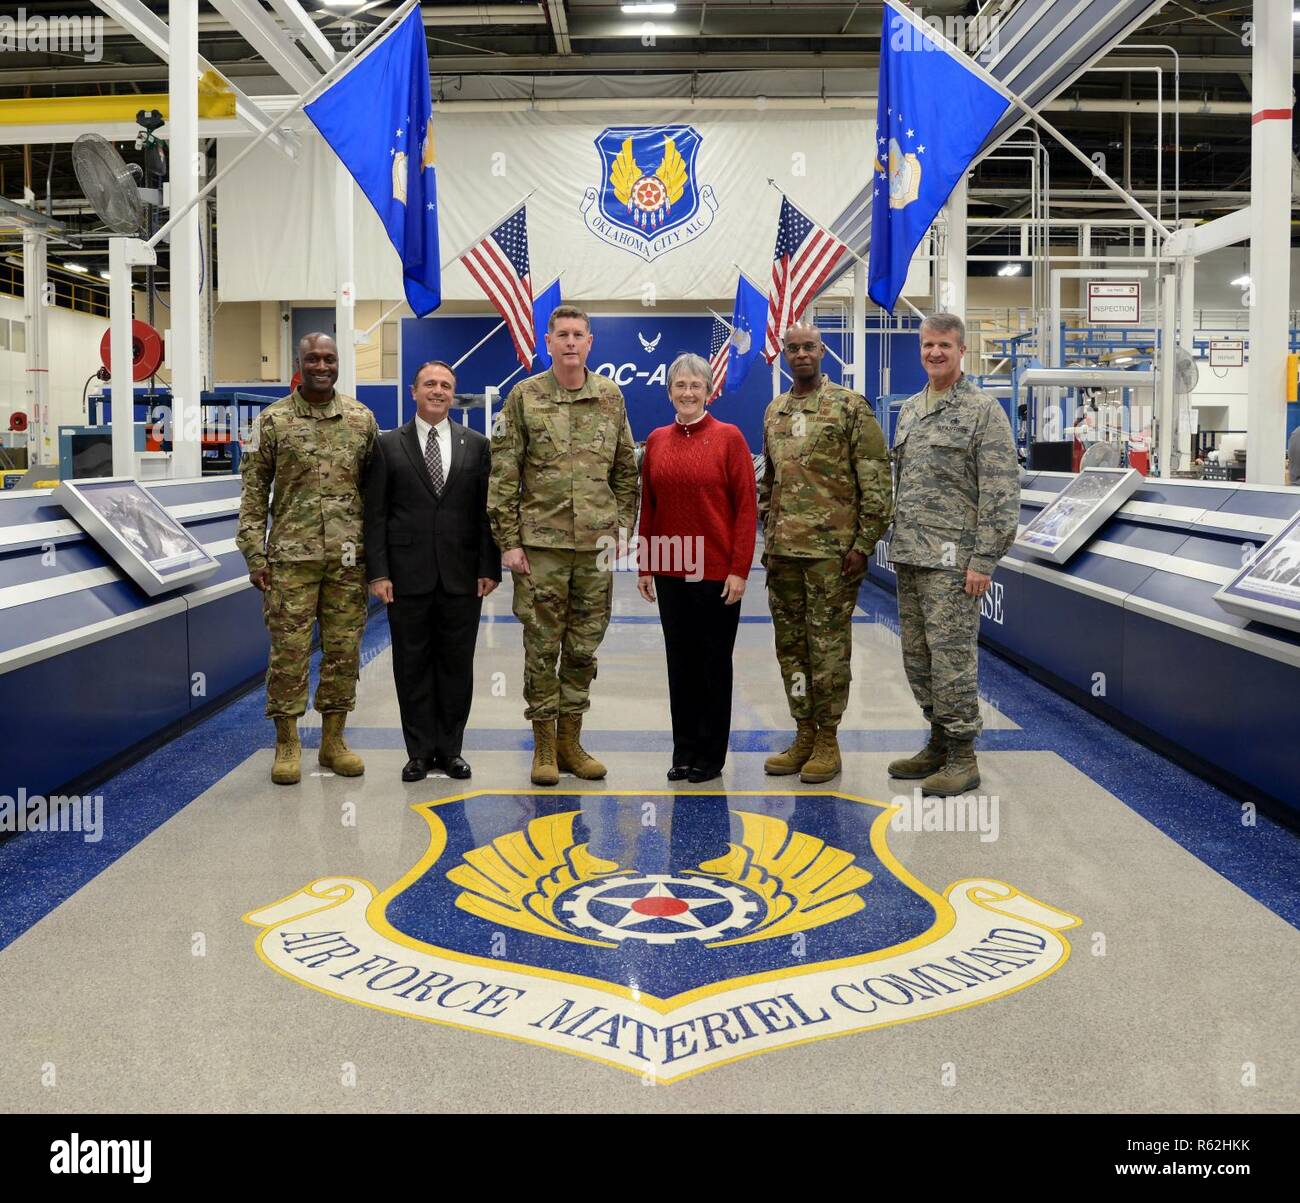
(313,446)
(564,480)
(956,505)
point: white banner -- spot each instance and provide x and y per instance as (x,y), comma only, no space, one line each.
(999,942)
(667,228)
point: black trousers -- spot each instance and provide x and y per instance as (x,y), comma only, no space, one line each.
(433,667)
(699,636)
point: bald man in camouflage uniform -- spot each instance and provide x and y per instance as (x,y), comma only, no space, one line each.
(955,516)
(564,479)
(313,447)
(824,500)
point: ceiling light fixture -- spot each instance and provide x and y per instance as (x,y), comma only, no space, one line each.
(1242,282)
(1011,269)
(79,268)
(646,8)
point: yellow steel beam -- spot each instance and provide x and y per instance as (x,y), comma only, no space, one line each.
(89,111)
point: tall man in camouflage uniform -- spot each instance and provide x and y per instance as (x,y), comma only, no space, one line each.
(313,446)
(957,503)
(824,500)
(564,479)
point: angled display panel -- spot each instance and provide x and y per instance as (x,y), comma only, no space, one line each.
(1060,528)
(1267,589)
(136,532)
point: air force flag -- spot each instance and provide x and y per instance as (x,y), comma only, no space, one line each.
(748,321)
(378,118)
(933,116)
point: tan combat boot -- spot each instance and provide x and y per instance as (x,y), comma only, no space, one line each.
(930,759)
(287,769)
(824,763)
(545,771)
(959,774)
(334,753)
(569,753)
(796,755)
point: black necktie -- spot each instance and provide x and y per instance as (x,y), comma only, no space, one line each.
(433,460)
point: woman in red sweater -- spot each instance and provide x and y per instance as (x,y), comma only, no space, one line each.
(699,515)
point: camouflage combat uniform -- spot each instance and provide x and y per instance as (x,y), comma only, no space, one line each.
(316,458)
(564,477)
(825,492)
(956,507)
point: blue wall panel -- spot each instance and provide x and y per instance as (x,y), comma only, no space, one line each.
(69,713)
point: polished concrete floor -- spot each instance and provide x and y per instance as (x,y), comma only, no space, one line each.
(166,979)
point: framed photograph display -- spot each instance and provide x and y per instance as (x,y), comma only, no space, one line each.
(1076,513)
(136,532)
(1268,588)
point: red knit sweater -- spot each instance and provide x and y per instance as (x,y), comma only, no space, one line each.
(697,481)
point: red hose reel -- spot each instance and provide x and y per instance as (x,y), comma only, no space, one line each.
(146,350)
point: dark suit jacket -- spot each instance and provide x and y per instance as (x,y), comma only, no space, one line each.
(418,539)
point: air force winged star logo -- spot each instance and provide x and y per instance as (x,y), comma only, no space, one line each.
(659,933)
(648,201)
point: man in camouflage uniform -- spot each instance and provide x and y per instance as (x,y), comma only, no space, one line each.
(313,446)
(824,500)
(564,482)
(955,514)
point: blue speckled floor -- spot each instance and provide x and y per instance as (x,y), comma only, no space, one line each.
(126,959)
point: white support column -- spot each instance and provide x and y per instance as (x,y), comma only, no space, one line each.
(953,297)
(185,166)
(1270,239)
(345,294)
(122,386)
(1166,358)
(42,446)
(860,327)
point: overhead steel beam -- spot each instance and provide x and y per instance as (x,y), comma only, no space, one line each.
(293,15)
(255,26)
(151,30)
(559,26)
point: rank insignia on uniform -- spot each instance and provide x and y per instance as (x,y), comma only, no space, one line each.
(663,934)
(648,201)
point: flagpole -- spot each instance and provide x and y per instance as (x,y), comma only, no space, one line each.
(818,224)
(1023,105)
(752,282)
(305,99)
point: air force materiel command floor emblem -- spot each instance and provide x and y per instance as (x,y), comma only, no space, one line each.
(663,934)
(648,201)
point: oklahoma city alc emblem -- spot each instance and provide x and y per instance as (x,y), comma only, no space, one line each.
(648,201)
(663,934)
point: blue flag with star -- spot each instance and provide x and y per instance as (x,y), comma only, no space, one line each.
(933,116)
(378,118)
(748,322)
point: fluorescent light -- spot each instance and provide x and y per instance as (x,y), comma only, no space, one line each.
(105,274)
(79,268)
(1011,269)
(1242,282)
(643,8)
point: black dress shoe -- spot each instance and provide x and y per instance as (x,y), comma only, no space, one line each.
(454,766)
(679,772)
(702,773)
(415,770)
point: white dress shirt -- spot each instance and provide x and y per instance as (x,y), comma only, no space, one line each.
(443,429)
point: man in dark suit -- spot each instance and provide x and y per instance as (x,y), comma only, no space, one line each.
(431,558)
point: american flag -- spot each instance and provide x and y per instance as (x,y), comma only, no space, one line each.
(719,349)
(804,257)
(500,265)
